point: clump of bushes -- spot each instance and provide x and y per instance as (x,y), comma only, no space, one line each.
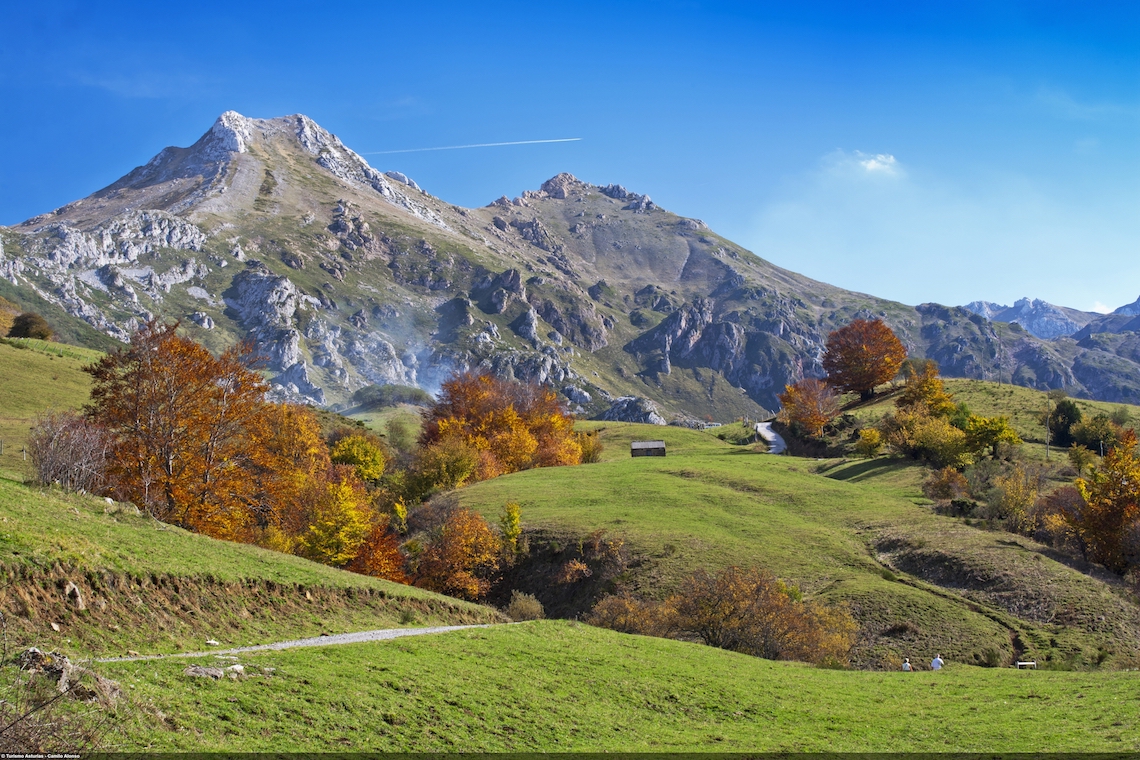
(379,396)
(743,610)
(524,607)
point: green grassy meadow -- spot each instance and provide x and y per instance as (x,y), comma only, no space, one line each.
(560,686)
(853,532)
(37,376)
(857,532)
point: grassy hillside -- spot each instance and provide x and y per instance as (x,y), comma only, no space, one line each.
(1024,406)
(152,587)
(559,686)
(916,581)
(38,376)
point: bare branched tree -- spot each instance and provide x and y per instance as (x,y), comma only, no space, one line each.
(68,450)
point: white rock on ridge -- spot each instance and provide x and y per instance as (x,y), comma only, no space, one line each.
(987,309)
(347,165)
(1129,310)
(403,179)
(1040,318)
(231,132)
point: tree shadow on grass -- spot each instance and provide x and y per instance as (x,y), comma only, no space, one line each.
(855,472)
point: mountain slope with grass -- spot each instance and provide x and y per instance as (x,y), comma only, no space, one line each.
(858,533)
(346,276)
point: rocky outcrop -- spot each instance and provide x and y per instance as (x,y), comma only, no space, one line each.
(633,409)
(264,304)
(120,241)
(494,293)
(560,186)
(535,233)
(526,325)
(578,322)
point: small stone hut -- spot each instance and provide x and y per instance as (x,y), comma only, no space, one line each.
(647,448)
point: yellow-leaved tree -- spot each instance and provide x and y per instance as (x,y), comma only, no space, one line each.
(1112,505)
(339,518)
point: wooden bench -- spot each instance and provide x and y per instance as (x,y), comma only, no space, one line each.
(1028,664)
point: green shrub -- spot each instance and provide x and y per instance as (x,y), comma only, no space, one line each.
(30,325)
(524,607)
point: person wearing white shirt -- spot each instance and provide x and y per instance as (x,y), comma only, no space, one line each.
(936,663)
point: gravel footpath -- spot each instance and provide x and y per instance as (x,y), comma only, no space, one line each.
(775,441)
(316,641)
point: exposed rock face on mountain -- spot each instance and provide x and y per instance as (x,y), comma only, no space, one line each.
(345,275)
(1038,317)
(634,409)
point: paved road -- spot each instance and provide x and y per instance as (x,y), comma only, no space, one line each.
(774,440)
(317,641)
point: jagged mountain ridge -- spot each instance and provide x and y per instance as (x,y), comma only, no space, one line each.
(1043,319)
(347,276)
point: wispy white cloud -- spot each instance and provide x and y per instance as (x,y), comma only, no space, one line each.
(1100,308)
(883,163)
(857,163)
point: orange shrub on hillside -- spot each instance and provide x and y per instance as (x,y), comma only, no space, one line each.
(811,403)
(461,558)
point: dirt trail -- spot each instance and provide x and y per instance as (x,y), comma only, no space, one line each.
(316,641)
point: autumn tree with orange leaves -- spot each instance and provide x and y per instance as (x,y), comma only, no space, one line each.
(509,426)
(862,355)
(187,429)
(809,402)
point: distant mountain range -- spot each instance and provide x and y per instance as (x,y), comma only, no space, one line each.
(272,229)
(1046,320)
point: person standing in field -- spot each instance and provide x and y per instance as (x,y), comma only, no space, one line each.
(937,663)
(906,664)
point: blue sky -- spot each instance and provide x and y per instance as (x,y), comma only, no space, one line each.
(919,151)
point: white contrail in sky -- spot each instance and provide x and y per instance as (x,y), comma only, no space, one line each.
(478,145)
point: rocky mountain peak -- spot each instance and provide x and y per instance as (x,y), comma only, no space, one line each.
(1131,310)
(1040,318)
(231,132)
